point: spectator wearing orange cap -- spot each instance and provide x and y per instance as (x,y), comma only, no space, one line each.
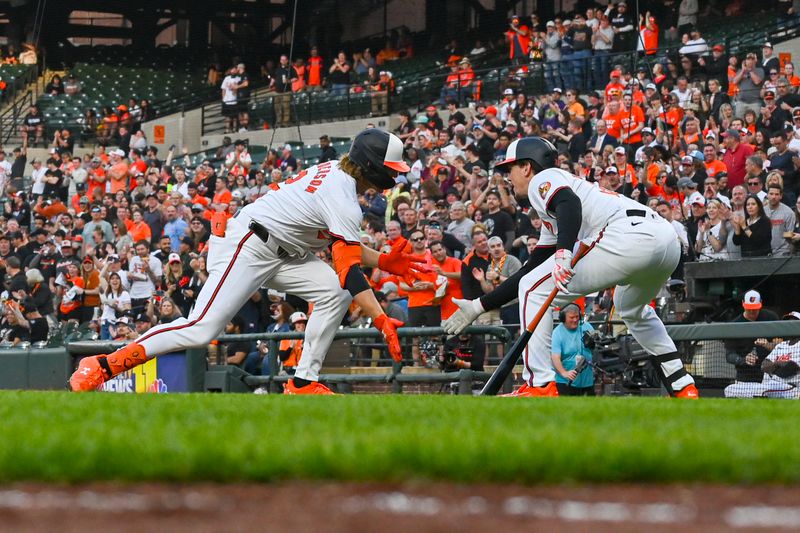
(614,87)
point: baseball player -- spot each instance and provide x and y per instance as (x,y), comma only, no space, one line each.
(781,375)
(273,242)
(625,244)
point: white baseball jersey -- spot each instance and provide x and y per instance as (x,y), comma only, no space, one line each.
(599,206)
(786,351)
(309,209)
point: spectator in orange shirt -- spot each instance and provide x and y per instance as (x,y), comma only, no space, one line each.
(314,70)
(387,53)
(713,165)
(625,170)
(289,350)
(222,196)
(632,123)
(649,33)
(450,268)
(614,117)
(614,86)
(298,76)
(421,289)
(139,230)
(519,41)
(118,171)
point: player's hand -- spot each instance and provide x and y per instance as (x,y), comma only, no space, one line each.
(398,261)
(571,375)
(388,326)
(468,311)
(751,359)
(562,270)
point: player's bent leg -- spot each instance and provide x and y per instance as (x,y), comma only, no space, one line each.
(538,373)
(237,266)
(314,281)
(643,323)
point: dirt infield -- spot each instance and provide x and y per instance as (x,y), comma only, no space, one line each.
(417,507)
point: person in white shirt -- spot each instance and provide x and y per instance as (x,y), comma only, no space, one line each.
(37,177)
(682,91)
(143,273)
(5,172)
(230,109)
(693,44)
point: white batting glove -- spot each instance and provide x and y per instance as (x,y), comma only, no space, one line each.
(468,311)
(562,270)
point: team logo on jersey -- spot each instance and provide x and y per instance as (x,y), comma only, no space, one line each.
(543,188)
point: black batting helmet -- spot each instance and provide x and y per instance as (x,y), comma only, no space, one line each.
(378,152)
(540,152)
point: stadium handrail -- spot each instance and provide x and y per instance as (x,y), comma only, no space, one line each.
(782,30)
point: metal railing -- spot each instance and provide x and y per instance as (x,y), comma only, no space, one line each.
(394,376)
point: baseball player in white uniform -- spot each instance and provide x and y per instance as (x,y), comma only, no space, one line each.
(273,242)
(624,244)
(781,375)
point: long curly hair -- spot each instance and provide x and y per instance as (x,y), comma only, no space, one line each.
(357,173)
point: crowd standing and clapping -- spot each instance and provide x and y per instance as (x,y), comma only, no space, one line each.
(116,241)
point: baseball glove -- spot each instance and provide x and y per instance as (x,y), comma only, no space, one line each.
(782,369)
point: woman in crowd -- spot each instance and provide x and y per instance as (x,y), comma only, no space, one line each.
(753,231)
(116,302)
(91,290)
(162,311)
(712,234)
(175,281)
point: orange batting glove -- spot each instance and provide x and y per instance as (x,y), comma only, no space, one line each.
(388,326)
(399,262)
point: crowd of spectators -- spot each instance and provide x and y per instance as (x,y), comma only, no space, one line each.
(116,240)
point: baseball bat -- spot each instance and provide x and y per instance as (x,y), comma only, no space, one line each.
(506,366)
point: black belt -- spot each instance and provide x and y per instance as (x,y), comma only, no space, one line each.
(636,213)
(262,233)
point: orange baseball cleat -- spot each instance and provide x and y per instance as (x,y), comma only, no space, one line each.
(689,392)
(315,387)
(527,391)
(94,371)
(88,376)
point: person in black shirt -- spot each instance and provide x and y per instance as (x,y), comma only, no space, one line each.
(31,319)
(13,331)
(236,351)
(20,160)
(53,180)
(435,123)
(747,354)
(497,221)
(328,151)
(283,86)
(753,231)
(33,125)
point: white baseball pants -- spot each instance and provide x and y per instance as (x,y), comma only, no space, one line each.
(768,388)
(238,265)
(634,254)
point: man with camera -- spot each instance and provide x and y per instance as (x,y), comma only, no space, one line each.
(571,352)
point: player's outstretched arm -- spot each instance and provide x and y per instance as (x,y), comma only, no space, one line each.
(468,310)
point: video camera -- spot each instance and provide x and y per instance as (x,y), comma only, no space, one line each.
(623,361)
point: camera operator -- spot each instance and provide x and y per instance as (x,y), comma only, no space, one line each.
(571,340)
(459,353)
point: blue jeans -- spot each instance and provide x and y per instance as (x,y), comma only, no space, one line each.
(552,78)
(105,331)
(447,93)
(565,68)
(340,89)
(581,69)
(600,68)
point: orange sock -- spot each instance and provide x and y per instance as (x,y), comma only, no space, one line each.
(125,358)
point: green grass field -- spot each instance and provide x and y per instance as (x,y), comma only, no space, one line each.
(72,438)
